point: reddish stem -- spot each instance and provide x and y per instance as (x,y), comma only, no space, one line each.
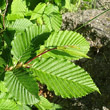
(40,55)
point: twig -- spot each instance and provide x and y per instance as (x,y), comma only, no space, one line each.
(40,55)
(5,14)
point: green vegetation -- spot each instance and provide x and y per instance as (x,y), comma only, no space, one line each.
(72,5)
(33,49)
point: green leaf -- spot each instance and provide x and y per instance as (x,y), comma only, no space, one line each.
(6,55)
(64,77)
(29,13)
(38,11)
(75,52)
(22,86)
(67,38)
(58,2)
(2,68)
(69,44)
(18,10)
(2,87)
(68,4)
(19,24)
(6,104)
(3,95)
(1,26)
(0,45)
(18,6)
(72,5)
(52,18)
(2,62)
(24,107)
(22,43)
(44,104)
(14,16)
(2,4)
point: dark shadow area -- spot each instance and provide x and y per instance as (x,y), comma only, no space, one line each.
(37,42)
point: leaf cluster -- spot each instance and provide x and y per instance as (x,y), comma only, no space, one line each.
(33,49)
(72,5)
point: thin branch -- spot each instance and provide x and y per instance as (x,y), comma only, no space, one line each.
(40,55)
(5,14)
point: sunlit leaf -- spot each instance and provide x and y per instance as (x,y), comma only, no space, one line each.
(38,11)
(22,45)
(22,86)
(19,24)
(18,10)
(6,104)
(64,77)
(68,44)
(44,104)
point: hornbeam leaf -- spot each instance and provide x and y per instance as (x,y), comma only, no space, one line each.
(6,104)
(68,38)
(18,10)
(75,52)
(2,87)
(38,11)
(22,86)
(19,6)
(63,77)
(52,18)
(44,104)
(69,44)
(22,44)
(19,24)
(49,15)
(24,107)
(14,16)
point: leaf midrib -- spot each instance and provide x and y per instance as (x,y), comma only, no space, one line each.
(62,78)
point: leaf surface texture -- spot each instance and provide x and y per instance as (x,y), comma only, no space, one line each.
(22,86)
(22,45)
(64,77)
(70,45)
(6,104)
